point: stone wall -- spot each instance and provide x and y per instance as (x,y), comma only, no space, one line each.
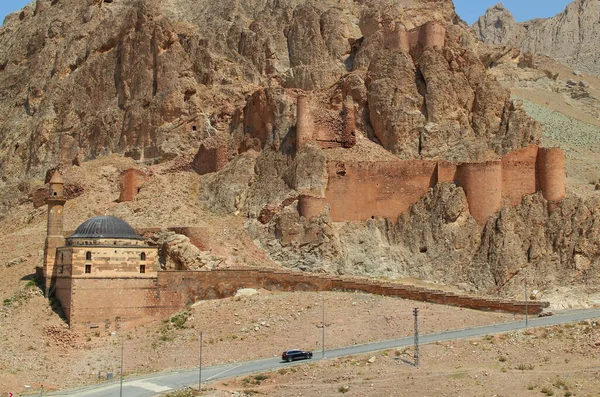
(357,191)
(360,190)
(212,155)
(113,302)
(431,34)
(131,181)
(178,289)
(329,128)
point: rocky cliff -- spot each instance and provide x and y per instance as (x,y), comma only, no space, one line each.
(219,82)
(570,37)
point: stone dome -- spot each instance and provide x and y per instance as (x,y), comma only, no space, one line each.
(105,227)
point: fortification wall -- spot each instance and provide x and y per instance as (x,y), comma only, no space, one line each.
(212,155)
(329,128)
(431,34)
(113,302)
(304,122)
(446,172)
(551,173)
(357,191)
(361,190)
(482,183)
(311,206)
(131,182)
(519,174)
(178,289)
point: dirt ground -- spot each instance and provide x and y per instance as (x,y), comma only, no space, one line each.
(560,361)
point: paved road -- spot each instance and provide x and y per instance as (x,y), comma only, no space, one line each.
(152,385)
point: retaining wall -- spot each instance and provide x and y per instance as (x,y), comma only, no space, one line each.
(180,288)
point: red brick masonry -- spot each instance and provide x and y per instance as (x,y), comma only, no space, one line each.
(177,289)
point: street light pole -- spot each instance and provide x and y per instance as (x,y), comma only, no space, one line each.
(526,306)
(416,340)
(200,367)
(121,385)
(323,332)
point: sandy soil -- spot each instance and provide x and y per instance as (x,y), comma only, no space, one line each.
(560,361)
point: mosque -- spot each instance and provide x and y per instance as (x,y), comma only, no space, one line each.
(103,273)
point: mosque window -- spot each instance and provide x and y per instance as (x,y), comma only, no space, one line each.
(142,268)
(88,268)
(88,256)
(143,256)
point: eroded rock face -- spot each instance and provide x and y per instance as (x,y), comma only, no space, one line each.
(498,26)
(570,37)
(439,240)
(178,253)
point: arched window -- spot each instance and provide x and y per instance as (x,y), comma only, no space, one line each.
(143,256)
(88,256)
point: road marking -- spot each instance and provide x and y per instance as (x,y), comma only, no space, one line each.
(222,372)
(148,386)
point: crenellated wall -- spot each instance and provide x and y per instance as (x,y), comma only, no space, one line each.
(357,191)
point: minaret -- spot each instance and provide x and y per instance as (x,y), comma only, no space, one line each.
(54,233)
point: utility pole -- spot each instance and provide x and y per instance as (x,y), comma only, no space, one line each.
(200,366)
(416,357)
(526,306)
(323,332)
(121,385)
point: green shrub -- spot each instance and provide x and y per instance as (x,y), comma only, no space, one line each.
(525,367)
(179,319)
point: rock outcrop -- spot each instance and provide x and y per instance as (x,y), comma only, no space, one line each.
(570,37)
(439,240)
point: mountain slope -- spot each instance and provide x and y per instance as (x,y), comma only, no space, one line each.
(570,37)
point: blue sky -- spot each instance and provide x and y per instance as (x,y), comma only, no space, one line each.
(523,10)
(8,6)
(469,10)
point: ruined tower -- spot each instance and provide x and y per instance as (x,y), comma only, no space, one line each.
(54,234)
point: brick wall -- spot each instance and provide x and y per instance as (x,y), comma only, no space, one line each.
(113,302)
(179,288)
(360,190)
(212,155)
(482,183)
(328,128)
(431,34)
(357,191)
(131,182)
(551,173)
(519,174)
